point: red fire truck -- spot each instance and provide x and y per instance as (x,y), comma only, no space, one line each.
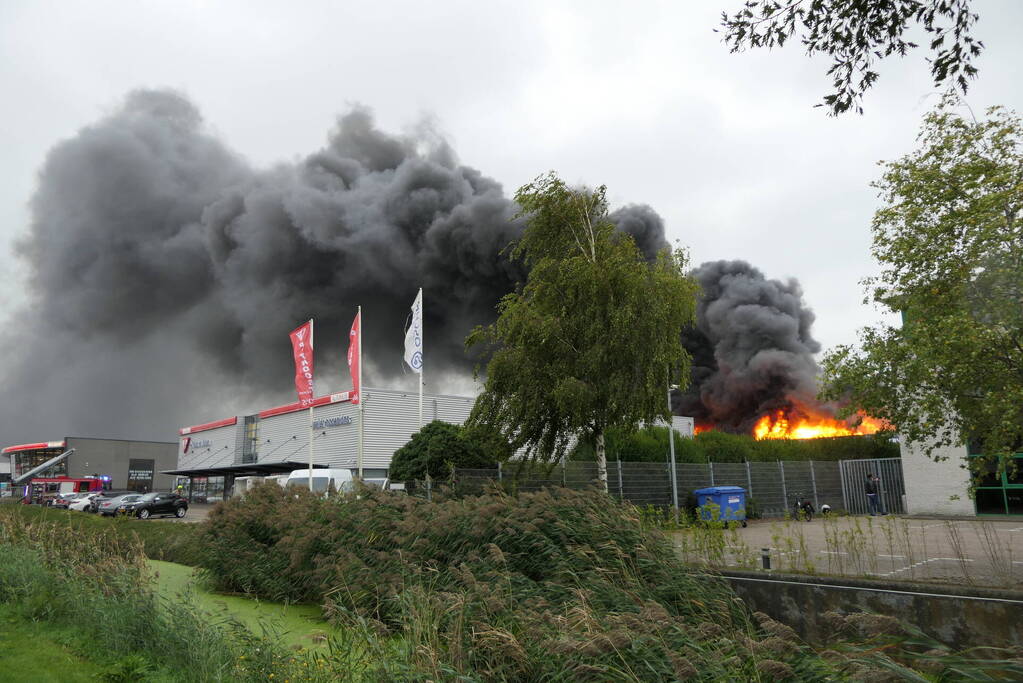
(43,490)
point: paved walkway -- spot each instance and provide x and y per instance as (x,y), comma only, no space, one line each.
(971,552)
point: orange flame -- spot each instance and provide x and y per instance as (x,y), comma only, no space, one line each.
(779,426)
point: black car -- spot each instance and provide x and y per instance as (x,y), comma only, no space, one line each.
(155,504)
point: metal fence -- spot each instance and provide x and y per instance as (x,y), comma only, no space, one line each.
(892,486)
(772,486)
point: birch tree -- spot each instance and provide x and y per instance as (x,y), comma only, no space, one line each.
(586,343)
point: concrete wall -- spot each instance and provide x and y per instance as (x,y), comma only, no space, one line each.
(936,488)
(112,457)
(959,617)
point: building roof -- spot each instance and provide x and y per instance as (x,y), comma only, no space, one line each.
(247,469)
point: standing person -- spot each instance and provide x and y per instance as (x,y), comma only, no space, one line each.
(872,489)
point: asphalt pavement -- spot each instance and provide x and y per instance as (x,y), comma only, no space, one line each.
(955,551)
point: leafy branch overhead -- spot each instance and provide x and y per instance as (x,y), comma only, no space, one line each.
(857,34)
(949,240)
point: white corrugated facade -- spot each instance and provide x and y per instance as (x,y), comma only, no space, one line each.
(281,435)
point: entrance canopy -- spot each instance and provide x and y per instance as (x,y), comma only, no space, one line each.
(245,470)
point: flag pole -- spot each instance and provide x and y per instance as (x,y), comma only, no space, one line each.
(421,345)
(362,396)
(311,351)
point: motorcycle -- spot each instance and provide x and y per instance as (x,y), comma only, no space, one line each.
(802,508)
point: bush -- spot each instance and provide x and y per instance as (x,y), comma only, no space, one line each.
(651,445)
(439,447)
(555,585)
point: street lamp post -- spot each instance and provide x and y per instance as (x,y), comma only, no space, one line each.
(671,451)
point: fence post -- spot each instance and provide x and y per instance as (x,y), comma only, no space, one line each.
(499,476)
(784,490)
(749,481)
(845,495)
(428,486)
(710,466)
(621,491)
(813,482)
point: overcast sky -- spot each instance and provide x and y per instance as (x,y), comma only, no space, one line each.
(639,96)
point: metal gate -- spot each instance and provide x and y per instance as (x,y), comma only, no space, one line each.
(892,487)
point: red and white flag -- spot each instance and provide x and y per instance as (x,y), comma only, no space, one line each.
(302,347)
(354,365)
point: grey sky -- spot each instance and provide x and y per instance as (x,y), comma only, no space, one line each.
(639,96)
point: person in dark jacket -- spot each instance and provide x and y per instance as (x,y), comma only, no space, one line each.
(872,488)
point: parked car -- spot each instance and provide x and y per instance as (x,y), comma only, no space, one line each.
(155,504)
(111,506)
(86,503)
(105,496)
(64,500)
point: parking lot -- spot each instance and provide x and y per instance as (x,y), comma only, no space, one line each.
(196,513)
(968,552)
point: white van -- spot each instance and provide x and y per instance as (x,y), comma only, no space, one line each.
(341,480)
(243,484)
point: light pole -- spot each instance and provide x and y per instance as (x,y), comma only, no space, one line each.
(671,450)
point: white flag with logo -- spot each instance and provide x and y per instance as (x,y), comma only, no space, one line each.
(414,336)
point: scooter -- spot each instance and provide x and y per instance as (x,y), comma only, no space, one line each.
(802,508)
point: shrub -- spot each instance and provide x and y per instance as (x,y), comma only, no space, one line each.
(651,445)
(554,585)
(440,447)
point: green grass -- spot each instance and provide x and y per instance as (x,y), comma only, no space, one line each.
(294,624)
(39,652)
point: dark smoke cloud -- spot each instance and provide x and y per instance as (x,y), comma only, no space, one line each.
(752,348)
(166,272)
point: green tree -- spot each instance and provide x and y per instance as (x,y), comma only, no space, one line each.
(950,243)
(440,447)
(586,343)
(857,33)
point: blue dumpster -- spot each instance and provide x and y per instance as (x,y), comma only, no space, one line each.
(730,502)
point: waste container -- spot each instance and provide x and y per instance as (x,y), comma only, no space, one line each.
(730,502)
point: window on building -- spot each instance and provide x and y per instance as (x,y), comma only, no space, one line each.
(998,492)
(26,461)
(251,439)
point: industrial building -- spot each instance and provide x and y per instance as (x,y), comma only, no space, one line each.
(122,464)
(210,456)
(275,441)
(940,483)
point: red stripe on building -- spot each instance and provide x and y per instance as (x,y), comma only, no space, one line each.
(209,425)
(33,446)
(296,406)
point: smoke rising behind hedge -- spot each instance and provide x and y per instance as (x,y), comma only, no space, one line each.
(753,352)
(165,271)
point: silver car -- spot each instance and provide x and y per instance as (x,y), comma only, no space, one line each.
(111,506)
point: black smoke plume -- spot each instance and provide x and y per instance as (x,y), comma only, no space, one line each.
(752,349)
(165,272)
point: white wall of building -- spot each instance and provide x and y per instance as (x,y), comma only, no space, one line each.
(391,418)
(208,448)
(936,488)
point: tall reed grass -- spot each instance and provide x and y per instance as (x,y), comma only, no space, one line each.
(99,584)
(559,585)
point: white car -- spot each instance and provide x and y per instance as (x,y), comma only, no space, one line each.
(84,503)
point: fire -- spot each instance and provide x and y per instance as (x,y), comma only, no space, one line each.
(778,425)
